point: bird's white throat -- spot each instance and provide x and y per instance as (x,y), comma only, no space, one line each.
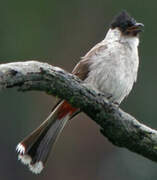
(116,35)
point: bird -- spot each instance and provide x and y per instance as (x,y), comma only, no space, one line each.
(109,68)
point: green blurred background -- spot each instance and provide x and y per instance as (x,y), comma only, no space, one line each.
(60,32)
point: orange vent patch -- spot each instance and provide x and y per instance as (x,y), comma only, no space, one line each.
(65,109)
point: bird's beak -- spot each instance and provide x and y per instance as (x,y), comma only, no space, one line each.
(139,26)
(135,29)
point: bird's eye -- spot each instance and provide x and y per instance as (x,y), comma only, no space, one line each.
(129,24)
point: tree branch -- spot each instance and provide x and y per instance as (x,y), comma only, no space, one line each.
(119,127)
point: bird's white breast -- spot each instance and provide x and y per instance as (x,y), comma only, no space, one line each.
(114,69)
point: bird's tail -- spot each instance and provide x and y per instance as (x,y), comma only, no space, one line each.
(34,149)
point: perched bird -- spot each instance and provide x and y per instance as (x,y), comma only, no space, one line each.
(110,67)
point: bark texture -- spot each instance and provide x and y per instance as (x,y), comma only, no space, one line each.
(118,126)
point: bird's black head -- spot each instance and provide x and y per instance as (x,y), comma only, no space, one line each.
(126,24)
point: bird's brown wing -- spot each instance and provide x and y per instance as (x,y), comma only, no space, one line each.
(82,68)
